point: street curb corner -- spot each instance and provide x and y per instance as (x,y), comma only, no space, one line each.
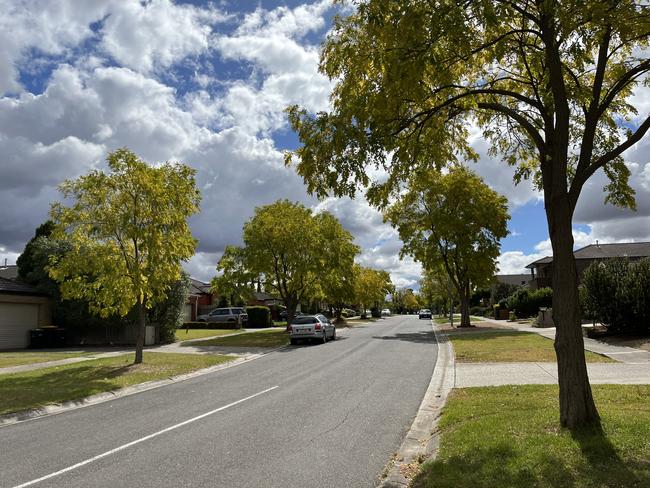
(422,439)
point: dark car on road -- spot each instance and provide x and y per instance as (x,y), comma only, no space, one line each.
(425,313)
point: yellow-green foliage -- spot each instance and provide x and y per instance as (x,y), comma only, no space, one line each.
(128,232)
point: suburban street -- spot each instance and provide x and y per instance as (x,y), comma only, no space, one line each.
(306,416)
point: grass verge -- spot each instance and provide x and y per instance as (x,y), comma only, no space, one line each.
(509,347)
(191,334)
(22,391)
(445,320)
(8,359)
(263,338)
(509,436)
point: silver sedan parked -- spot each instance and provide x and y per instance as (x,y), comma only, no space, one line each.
(312,327)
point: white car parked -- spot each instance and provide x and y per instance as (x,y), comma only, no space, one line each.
(312,327)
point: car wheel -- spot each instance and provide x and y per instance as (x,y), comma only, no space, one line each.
(324,338)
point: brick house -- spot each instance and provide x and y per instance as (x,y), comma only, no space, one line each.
(542,269)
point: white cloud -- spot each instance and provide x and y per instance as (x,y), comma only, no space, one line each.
(144,36)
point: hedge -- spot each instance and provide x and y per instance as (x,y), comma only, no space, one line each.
(526,303)
(616,292)
(259,316)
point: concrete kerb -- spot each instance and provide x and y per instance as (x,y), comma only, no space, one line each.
(46,411)
(422,439)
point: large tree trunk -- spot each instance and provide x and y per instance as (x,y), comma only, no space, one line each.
(577,408)
(464,307)
(139,343)
(291,310)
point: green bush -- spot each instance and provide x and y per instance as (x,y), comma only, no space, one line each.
(616,292)
(375,313)
(210,325)
(259,316)
(169,313)
(478,311)
(526,303)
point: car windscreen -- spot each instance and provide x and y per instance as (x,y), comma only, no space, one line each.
(305,320)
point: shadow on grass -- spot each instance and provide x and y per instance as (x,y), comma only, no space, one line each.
(502,466)
(475,335)
(605,464)
(22,391)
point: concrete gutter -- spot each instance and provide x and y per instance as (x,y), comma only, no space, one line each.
(422,439)
(56,408)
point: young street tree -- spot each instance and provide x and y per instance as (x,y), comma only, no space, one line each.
(452,220)
(236,281)
(548,82)
(128,234)
(371,286)
(337,278)
(295,250)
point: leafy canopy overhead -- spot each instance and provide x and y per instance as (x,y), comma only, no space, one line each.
(548,82)
(128,233)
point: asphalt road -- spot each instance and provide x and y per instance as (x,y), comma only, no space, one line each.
(307,416)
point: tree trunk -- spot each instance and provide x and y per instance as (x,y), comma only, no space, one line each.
(464,307)
(139,343)
(577,408)
(291,310)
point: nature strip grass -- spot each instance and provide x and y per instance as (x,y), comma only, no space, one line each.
(445,320)
(262,338)
(509,347)
(191,334)
(22,391)
(509,436)
(8,359)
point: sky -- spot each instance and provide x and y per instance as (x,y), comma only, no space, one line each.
(206,83)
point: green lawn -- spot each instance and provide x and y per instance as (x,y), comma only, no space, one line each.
(190,334)
(445,320)
(21,391)
(8,359)
(508,346)
(262,338)
(509,436)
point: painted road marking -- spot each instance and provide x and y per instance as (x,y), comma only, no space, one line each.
(142,439)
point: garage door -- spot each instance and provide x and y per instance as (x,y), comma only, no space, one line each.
(16,320)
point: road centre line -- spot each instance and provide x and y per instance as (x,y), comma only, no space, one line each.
(142,439)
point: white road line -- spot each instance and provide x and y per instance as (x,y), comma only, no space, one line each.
(142,439)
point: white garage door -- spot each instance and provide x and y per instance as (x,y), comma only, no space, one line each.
(16,320)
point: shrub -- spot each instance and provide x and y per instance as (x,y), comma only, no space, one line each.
(479,311)
(375,313)
(616,293)
(259,316)
(526,303)
(169,313)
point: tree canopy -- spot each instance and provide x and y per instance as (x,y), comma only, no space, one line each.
(371,286)
(301,255)
(548,83)
(453,220)
(128,233)
(236,279)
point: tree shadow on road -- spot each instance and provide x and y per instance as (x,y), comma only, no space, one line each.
(418,337)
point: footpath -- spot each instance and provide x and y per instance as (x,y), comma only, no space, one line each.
(633,366)
(422,440)
(175,347)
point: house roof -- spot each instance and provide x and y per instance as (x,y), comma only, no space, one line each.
(199,287)
(262,296)
(513,279)
(9,271)
(18,288)
(606,251)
